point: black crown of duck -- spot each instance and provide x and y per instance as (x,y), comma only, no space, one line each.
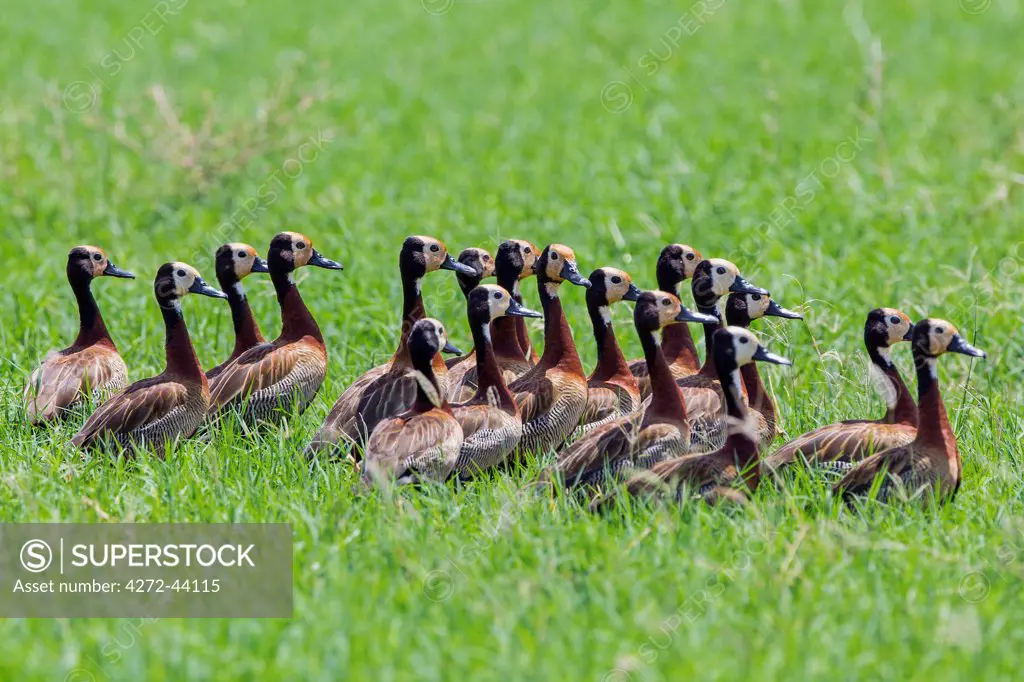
(272,380)
(91,367)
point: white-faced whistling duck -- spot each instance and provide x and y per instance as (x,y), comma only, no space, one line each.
(643,438)
(91,365)
(736,464)
(490,420)
(269,381)
(171,405)
(421,444)
(459,389)
(740,311)
(836,447)
(930,464)
(676,264)
(514,261)
(234,262)
(612,390)
(387,390)
(552,395)
(705,401)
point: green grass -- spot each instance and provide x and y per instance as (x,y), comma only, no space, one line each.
(487,122)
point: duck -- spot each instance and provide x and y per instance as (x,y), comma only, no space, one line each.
(170,406)
(553,394)
(459,390)
(90,367)
(421,444)
(388,390)
(676,264)
(736,465)
(234,262)
(612,390)
(516,355)
(713,279)
(740,311)
(491,424)
(930,465)
(271,380)
(644,437)
(837,447)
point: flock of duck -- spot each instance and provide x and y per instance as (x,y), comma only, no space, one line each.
(666,424)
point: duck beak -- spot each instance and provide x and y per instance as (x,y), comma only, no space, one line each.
(910,334)
(571,272)
(201,287)
(688,315)
(764,355)
(113,271)
(451,349)
(515,309)
(633,294)
(742,286)
(321,262)
(259,265)
(461,268)
(958,345)
(778,311)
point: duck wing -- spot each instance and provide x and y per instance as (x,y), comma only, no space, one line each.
(417,447)
(842,443)
(266,367)
(610,446)
(534,393)
(142,403)
(61,380)
(897,462)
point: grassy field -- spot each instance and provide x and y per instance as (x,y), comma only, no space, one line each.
(845,156)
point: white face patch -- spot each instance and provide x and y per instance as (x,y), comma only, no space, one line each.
(551,288)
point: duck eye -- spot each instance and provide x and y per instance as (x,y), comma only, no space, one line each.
(690,256)
(241,254)
(301,245)
(554,255)
(665,302)
(616,280)
(939,330)
(721,270)
(894,319)
(527,250)
(486,258)
(435,248)
(97,256)
(180,273)
(755,297)
(497,295)
(744,339)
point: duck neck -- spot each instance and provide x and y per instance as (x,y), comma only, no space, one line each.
(181,356)
(247,332)
(757,395)
(709,369)
(91,329)
(676,340)
(296,320)
(412,312)
(899,404)
(425,366)
(490,380)
(611,364)
(933,423)
(666,400)
(559,347)
(506,329)
(740,443)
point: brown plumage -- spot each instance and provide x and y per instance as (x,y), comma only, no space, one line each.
(171,405)
(234,262)
(552,395)
(836,447)
(736,464)
(461,389)
(388,390)
(421,444)
(705,400)
(612,390)
(269,381)
(91,365)
(930,464)
(642,438)
(490,420)
(676,264)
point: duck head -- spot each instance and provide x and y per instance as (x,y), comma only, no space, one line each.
(421,255)
(742,309)
(557,264)
(736,346)
(611,285)
(85,263)
(481,263)
(885,327)
(428,338)
(176,280)
(236,261)
(933,337)
(657,309)
(716,277)
(290,251)
(676,264)
(514,261)
(488,302)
